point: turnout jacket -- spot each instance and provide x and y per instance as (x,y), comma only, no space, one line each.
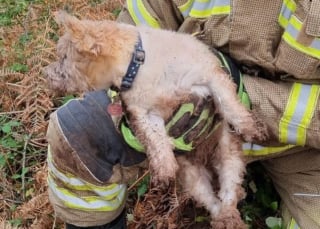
(92,154)
(277,46)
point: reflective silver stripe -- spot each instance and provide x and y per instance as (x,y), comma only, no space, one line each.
(91,203)
(251,149)
(298,113)
(107,191)
(287,9)
(306,194)
(205,5)
(186,8)
(68,180)
(315,43)
(293,224)
(292,31)
(140,14)
(290,36)
(204,8)
(251,146)
(286,12)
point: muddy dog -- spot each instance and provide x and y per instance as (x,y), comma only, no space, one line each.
(156,70)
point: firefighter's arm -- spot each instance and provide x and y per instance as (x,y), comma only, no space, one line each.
(291,110)
(157,14)
(82,130)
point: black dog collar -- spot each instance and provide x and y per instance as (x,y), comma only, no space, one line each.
(137,59)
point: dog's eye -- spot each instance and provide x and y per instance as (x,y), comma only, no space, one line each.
(63,59)
(63,76)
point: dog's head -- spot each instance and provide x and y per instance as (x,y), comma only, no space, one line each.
(91,54)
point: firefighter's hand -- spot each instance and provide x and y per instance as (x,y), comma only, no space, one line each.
(192,121)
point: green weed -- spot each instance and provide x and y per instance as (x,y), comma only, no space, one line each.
(142,187)
(11,10)
(260,209)
(8,139)
(17,157)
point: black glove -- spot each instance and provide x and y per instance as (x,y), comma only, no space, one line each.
(192,122)
(189,124)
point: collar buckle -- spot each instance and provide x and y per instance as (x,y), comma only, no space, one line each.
(138,56)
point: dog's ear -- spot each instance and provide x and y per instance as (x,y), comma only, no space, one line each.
(95,49)
(78,33)
(89,44)
(72,24)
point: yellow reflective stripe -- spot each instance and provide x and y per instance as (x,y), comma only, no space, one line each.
(308,114)
(181,145)
(293,224)
(70,181)
(291,34)
(289,111)
(207,13)
(205,8)
(251,149)
(208,123)
(140,14)
(64,178)
(130,139)
(187,107)
(203,116)
(288,7)
(295,22)
(298,113)
(87,203)
(179,142)
(115,189)
(301,48)
(185,8)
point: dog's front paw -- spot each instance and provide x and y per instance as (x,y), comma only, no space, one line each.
(262,128)
(228,219)
(164,171)
(251,129)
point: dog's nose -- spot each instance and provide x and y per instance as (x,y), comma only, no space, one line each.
(48,71)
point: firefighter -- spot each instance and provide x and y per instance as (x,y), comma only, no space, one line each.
(276,47)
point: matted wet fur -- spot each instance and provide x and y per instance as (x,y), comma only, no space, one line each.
(95,55)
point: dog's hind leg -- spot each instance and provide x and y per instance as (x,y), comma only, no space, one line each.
(150,131)
(196,181)
(231,168)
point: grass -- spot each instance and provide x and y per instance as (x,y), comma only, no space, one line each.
(28,35)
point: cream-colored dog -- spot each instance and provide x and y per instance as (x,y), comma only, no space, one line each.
(167,67)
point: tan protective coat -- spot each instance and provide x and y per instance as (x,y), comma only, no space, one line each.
(251,34)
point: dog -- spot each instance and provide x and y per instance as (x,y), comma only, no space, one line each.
(155,71)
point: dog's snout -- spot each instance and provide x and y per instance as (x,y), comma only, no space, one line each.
(44,71)
(50,70)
